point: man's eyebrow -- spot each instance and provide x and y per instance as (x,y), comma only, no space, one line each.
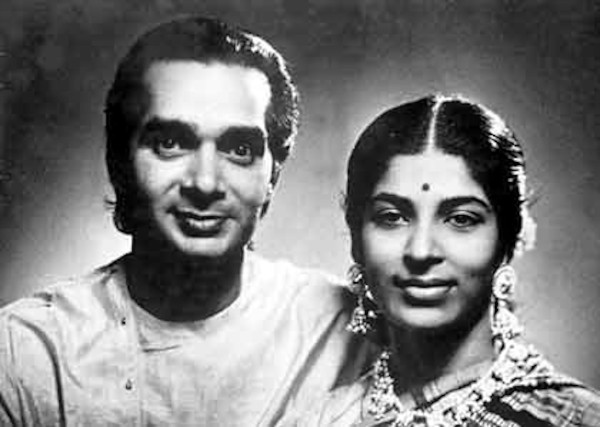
(251,132)
(454,202)
(160,125)
(247,132)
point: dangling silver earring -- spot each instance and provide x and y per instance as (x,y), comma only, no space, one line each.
(505,324)
(383,397)
(360,321)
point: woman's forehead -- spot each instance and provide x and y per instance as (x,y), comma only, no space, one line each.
(432,173)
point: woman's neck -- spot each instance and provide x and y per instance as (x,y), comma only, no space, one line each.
(178,288)
(419,357)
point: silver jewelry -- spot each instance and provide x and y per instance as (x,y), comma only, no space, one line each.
(517,365)
(361,319)
(504,323)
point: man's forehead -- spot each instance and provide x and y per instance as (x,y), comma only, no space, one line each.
(207,95)
(185,71)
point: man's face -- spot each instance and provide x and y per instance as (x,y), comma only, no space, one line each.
(201,161)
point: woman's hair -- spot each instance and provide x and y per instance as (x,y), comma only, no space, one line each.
(452,125)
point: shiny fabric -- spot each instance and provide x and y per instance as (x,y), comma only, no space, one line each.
(552,399)
(82,353)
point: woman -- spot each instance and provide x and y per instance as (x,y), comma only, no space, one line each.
(436,207)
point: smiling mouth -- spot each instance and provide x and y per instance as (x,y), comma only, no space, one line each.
(425,292)
(197,224)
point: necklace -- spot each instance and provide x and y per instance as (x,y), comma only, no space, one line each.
(516,365)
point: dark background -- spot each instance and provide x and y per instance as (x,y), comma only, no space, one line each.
(534,62)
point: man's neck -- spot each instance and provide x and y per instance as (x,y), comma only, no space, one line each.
(178,288)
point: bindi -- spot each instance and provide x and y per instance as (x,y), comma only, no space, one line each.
(425,187)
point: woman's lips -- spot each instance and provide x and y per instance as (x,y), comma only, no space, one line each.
(426,292)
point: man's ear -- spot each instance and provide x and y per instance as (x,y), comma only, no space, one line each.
(276,170)
(270,191)
(271,188)
(267,202)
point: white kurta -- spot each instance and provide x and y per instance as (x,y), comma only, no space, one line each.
(83,353)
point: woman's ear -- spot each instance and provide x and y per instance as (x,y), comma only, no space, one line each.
(356,249)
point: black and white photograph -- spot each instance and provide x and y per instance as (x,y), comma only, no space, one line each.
(299,213)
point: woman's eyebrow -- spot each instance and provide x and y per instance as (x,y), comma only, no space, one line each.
(398,201)
(454,202)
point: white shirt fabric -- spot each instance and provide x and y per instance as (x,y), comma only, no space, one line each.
(83,353)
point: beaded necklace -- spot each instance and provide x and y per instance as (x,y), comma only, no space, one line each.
(516,365)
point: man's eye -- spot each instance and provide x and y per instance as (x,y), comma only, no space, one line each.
(464,221)
(243,150)
(166,146)
(242,153)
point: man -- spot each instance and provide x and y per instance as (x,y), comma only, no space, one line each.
(190,328)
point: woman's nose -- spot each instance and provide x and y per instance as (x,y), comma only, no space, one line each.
(422,251)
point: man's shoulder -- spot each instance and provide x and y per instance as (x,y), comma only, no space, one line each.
(300,280)
(71,295)
(281,268)
(311,295)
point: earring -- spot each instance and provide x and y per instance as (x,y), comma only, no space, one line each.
(360,319)
(505,324)
(383,397)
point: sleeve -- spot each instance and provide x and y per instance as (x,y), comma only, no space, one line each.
(9,390)
(590,407)
(336,357)
(339,408)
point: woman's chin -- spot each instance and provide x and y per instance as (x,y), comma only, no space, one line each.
(426,319)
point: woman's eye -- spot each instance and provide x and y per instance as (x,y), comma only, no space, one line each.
(390,218)
(464,221)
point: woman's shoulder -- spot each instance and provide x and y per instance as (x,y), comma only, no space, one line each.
(563,402)
(588,401)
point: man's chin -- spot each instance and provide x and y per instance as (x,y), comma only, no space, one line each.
(209,250)
(212,249)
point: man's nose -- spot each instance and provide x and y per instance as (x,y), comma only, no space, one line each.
(203,169)
(422,250)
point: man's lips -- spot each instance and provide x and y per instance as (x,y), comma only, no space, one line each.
(422,291)
(200,224)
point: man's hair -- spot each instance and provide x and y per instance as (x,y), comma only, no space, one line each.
(203,40)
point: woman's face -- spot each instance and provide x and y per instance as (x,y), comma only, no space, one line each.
(429,242)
